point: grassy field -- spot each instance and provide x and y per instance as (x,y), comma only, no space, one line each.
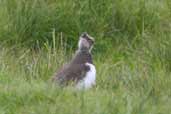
(132,55)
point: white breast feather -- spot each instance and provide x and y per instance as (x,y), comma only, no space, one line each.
(89,79)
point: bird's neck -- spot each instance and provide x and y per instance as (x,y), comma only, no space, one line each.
(83,50)
(82,56)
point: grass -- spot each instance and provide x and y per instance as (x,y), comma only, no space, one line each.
(124,85)
(38,36)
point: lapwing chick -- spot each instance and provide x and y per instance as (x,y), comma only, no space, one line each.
(80,71)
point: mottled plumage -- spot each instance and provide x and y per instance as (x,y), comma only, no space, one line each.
(76,70)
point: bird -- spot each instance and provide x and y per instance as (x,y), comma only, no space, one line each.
(80,71)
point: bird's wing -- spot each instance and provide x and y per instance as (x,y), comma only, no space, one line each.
(78,71)
(72,72)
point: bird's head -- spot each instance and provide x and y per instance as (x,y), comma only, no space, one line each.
(85,42)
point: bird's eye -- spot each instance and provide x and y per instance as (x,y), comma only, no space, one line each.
(89,39)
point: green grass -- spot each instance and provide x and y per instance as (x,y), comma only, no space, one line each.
(132,55)
(27,22)
(128,84)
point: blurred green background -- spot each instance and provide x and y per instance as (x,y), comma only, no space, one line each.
(132,55)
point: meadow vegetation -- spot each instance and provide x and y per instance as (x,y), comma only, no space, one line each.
(132,54)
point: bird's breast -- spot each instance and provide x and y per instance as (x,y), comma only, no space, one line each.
(89,80)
